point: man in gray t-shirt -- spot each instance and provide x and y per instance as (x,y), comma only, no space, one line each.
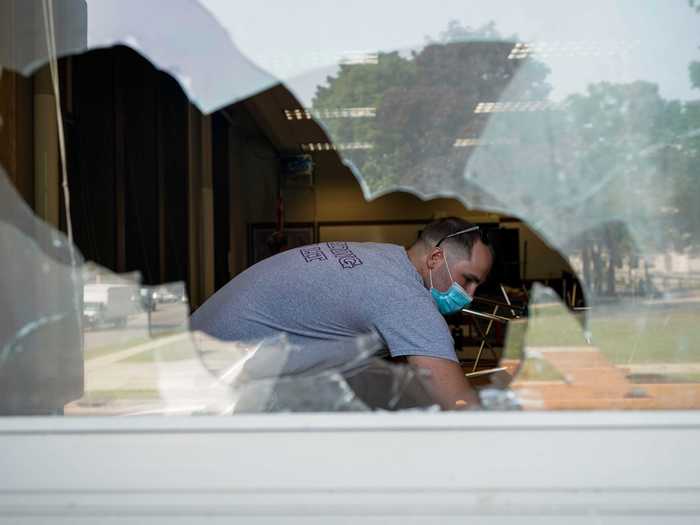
(327,294)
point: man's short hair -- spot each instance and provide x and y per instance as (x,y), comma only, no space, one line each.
(443,230)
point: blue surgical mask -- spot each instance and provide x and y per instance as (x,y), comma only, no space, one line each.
(451,301)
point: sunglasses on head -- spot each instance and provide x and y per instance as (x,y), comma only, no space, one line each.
(482,234)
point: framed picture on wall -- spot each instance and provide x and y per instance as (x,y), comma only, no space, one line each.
(264,242)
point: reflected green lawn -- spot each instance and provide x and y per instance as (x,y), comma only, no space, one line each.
(645,335)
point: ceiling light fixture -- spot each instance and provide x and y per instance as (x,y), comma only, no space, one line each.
(519,106)
(471,142)
(522,50)
(355,58)
(308,113)
(327,146)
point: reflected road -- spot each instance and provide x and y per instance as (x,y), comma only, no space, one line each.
(167,318)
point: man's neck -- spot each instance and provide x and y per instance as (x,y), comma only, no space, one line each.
(416,255)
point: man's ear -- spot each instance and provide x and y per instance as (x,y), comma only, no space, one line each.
(435,258)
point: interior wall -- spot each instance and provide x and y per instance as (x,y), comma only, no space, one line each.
(335,196)
(16,130)
(28,153)
(538,261)
(339,198)
(253,166)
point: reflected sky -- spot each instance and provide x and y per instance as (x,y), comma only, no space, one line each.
(291,39)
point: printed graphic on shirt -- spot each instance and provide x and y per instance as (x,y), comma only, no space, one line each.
(313,253)
(345,257)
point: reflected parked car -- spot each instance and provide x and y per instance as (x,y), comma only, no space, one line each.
(108,304)
(165,295)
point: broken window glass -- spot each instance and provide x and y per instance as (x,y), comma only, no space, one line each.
(585,133)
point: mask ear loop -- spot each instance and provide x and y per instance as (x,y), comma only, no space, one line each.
(444,255)
(430,271)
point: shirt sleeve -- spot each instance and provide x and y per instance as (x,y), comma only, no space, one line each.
(414,326)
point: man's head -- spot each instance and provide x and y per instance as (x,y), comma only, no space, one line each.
(441,250)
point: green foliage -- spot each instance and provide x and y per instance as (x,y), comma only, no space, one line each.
(647,149)
(694,67)
(424,102)
(694,70)
(671,337)
(455,32)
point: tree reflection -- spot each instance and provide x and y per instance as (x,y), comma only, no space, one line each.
(424,103)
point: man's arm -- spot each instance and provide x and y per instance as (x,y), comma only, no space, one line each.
(447,383)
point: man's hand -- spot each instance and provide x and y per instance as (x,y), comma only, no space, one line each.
(447,383)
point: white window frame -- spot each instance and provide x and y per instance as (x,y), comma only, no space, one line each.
(584,467)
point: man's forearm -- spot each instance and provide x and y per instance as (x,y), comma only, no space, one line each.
(447,384)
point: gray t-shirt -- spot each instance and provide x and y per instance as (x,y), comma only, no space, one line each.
(323,297)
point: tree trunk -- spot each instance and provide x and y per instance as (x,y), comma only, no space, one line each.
(586,259)
(612,260)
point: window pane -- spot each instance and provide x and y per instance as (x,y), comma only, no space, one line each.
(147,160)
